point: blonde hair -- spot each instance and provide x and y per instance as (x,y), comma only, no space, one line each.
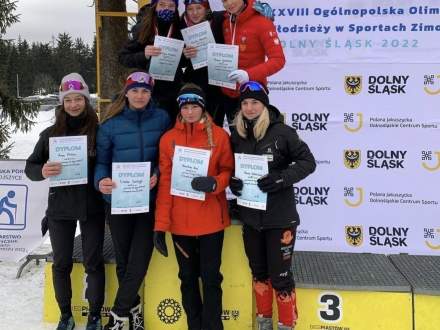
(260,126)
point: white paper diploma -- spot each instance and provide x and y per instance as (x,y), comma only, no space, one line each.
(222,60)
(132,192)
(199,36)
(188,163)
(164,66)
(71,152)
(250,168)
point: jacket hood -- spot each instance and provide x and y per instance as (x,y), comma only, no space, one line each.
(275,115)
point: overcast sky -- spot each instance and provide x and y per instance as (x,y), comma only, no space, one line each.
(42,19)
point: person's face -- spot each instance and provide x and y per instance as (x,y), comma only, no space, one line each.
(196,12)
(166,4)
(138,98)
(191,113)
(233,6)
(251,108)
(74,104)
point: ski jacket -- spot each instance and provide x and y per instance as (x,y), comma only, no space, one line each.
(257,39)
(79,202)
(130,136)
(184,216)
(289,157)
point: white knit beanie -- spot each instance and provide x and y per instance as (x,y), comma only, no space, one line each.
(73,83)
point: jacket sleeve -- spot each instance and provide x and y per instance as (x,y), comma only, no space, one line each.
(226,164)
(132,55)
(274,52)
(35,162)
(104,157)
(303,160)
(164,200)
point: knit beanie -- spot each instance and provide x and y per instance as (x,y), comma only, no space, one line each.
(153,2)
(139,79)
(191,94)
(254,90)
(73,83)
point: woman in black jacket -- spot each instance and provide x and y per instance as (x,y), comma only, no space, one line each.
(67,204)
(160,18)
(269,235)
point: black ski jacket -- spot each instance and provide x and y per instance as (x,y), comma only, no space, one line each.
(288,156)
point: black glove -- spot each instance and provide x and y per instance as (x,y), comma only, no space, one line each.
(205,184)
(236,185)
(270,183)
(160,243)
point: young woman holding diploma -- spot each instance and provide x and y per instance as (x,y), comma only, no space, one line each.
(129,132)
(161,18)
(196,12)
(197,226)
(269,236)
(68,204)
(260,52)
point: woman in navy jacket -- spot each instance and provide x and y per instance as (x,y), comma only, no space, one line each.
(130,132)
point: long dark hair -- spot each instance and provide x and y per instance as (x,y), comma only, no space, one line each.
(147,31)
(89,127)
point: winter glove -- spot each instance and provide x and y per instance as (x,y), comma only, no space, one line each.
(239,76)
(160,243)
(263,8)
(270,183)
(205,184)
(236,185)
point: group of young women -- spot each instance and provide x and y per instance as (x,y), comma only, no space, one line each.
(145,124)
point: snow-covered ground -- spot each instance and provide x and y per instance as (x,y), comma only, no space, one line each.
(21,300)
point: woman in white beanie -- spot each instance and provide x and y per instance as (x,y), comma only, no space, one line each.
(69,204)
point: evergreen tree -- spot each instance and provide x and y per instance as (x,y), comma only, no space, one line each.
(15,114)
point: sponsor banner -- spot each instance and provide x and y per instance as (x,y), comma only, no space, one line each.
(369,31)
(22,206)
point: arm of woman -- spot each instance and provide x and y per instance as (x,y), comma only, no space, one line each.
(226,163)
(164,200)
(299,152)
(104,149)
(36,161)
(274,52)
(132,55)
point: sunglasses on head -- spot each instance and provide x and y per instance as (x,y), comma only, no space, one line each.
(140,77)
(71,85)
(253,86)
(190,98)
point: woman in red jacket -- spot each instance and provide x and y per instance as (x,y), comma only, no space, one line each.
(197,226)
(260,52)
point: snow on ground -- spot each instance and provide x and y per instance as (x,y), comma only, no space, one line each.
(21,300)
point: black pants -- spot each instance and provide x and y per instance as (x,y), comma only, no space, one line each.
(62,234)
(200,256)
(132,237)
(270,254)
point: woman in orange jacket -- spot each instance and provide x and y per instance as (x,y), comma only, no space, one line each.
(197,227)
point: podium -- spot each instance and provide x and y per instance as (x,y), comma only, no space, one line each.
(423,273)
(344,291)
